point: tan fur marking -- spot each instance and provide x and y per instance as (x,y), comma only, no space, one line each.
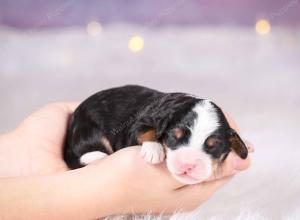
(106,144)
(147,136)
(178,133)
(211,141)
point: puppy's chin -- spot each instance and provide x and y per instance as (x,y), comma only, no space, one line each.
(201,162)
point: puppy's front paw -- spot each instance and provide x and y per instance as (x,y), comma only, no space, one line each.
(152,152)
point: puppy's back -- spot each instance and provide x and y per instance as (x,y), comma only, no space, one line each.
(104,114)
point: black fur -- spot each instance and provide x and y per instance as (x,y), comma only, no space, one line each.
(121,114)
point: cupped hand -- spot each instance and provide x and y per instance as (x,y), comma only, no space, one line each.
(35,148)
(151,188)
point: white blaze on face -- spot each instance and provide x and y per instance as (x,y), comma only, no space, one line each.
(206,123)
(190,164)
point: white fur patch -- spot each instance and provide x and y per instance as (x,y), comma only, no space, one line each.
(205,123)
(90,157)
(152,152)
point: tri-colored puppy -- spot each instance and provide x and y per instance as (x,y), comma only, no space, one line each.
(191,133)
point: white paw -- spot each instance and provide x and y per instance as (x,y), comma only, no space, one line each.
(90,157)
(153,152)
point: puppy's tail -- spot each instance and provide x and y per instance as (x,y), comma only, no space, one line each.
(71,159)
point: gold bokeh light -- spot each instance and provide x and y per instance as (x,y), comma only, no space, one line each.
(136,44)
(263,27)
(93,28)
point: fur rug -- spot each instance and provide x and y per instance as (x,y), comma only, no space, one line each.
(244,215)
(255,78)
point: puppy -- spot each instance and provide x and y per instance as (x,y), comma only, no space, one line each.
(191,133)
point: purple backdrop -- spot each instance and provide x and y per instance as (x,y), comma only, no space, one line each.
(45,13)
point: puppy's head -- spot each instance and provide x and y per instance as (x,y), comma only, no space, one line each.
(200,139)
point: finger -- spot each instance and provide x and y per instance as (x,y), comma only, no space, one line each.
(66,106)
(132,158)
(161,172)
(212,186)
(249,146)
(225,169)
(232,165)
(196,194)
(72,105)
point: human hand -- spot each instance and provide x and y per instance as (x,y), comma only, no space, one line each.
(35,147)
(145,187)
(150,188)
(120,179)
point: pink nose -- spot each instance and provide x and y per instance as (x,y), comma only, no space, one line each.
(187,167)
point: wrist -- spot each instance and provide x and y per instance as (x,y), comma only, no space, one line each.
(97,189)
(76,194)
(118,181)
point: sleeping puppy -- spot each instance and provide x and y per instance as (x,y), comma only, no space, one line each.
(191,133)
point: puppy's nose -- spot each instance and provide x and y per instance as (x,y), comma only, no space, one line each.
(187,167)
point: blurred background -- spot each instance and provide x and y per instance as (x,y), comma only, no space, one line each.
(243,54)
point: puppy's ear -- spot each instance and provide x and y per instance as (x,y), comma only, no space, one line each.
(236,143)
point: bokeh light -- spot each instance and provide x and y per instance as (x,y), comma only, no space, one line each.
(136,44)
(93,28)
(263,27)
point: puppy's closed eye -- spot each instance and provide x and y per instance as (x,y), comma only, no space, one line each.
(215,145)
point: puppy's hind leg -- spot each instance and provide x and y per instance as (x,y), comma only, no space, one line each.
(90,157)
(85,145)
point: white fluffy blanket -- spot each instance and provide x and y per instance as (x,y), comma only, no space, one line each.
(254,78)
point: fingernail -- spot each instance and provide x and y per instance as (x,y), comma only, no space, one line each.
(249,145)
